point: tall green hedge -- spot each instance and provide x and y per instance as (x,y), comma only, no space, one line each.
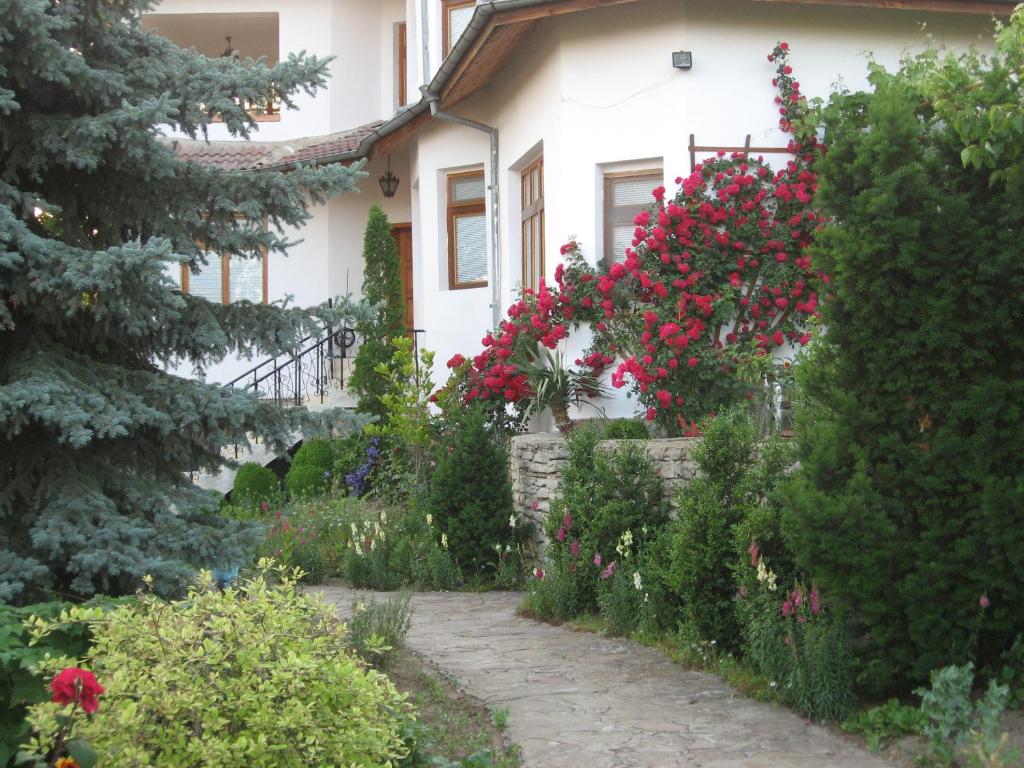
(910,503)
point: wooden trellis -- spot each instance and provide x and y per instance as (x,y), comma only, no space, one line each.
(694,149)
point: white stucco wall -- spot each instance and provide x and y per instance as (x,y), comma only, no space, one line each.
(598,88)
(358,33)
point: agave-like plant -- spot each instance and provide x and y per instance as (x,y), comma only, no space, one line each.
(555,386)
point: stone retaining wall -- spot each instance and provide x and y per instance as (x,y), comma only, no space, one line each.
(537,459)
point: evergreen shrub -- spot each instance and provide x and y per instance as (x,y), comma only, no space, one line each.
(909,507)
(305,481)
(255,484)
(470,496)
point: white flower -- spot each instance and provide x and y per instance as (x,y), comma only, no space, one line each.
(444,541)
(512,520)
(384,516)
(508,548)
(637,583)
(373,544)
(647,597)
(497,548)
(627,538)
(430,519)
(355,531)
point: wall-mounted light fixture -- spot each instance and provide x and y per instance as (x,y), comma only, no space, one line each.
(389,182)
(682,59)
(229,51)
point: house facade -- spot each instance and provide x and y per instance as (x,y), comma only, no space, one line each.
(513,125)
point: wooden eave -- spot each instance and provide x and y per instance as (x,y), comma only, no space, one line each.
(979,7)
(497,40)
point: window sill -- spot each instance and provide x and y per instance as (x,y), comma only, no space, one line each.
(466,286)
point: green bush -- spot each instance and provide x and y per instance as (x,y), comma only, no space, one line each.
(887,721)
(256,676)
(254,485)
(315,453)
(797,642)
(20,684)
(377,631)
(304,481)
(950,716)
(608,508)
(471,495)
(908,507)
(626,429)
(350,455)
(723,513)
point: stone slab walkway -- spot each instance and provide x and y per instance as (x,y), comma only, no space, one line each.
(576,699)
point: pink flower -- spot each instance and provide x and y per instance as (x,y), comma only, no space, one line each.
(815,601)
(575,547)
(788,609)
(755,554)
(534,505)
(538,573)
(567,521)
(609,570)
(597,559)
(984,602)
(561,534)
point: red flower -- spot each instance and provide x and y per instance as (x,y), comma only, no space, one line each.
(76,686)
(457,361)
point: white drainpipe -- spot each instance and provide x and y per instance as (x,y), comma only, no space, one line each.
(434,101)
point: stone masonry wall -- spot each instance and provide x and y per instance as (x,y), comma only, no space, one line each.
(536,462)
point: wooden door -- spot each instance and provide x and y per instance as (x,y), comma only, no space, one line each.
(403,236)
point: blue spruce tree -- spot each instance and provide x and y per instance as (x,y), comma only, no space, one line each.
(96,213)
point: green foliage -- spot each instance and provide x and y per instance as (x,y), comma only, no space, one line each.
(800,646)
(556,387)
(626,429)
(275,686)
(471,495)
(315,453)
(350,454)
(1012,673)
(908,505)
(304,481)
(406,425)
(887,721)
(20,685)
(377,631)
(610,505)
(255,485)
(724,512)
(382,289)
(950,716)
(96,216)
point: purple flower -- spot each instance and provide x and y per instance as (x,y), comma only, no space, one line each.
(609,569)
(597,559)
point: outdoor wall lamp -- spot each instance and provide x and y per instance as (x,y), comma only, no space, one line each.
(682,59)
(389,182)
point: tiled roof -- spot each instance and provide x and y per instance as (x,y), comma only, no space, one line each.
(253,155)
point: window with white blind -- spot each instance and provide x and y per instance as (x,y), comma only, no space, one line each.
(455,16)
(626,194)
(227,279)
(467,231)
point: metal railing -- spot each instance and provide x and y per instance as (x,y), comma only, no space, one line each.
(291,379)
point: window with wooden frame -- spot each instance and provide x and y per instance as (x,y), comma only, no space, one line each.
(532,202)
(467,230)
(226,279)
(626,193)
(401,66)
(455,16)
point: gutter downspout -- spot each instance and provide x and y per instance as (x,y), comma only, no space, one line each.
(491,131)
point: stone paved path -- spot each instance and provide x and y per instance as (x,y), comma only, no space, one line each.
(576,699)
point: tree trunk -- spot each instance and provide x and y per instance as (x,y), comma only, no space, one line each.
(561,413)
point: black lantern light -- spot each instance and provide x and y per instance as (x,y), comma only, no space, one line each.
(229,51)
(389,182)
(682,59)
